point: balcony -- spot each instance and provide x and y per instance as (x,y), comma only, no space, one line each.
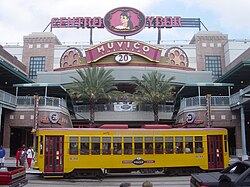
(110,112)
(7,100)
(201,101)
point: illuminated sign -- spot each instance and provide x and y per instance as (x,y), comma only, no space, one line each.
(97,22)
(123,46)
(124,21)
(123,58)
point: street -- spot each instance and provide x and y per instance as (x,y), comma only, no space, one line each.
(111,181)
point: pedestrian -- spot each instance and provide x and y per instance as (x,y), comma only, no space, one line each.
(125,184)
(147,184)
(23,156)
(18,155)
(29,156)
(2,155)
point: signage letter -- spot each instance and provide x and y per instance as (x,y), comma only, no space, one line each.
(177,21)
(110,45)
(97,22)
(159,21)
(63,22)
(150,21)
(136,45)
(55,23)
(87,22)
(100,49)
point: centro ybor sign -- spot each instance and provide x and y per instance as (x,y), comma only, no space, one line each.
(124,21)
(122,46)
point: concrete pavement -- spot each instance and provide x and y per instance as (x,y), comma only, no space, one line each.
(11,161)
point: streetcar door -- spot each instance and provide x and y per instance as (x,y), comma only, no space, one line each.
(215,152)
(53,154)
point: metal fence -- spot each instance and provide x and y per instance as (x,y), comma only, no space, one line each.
(7,98)
(201,101)
(43,101)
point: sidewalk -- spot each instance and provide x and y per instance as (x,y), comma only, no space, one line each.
(11,161)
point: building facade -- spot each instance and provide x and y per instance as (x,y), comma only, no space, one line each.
(204,83)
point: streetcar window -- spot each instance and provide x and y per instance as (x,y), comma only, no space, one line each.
(169,145)
(117,145)
(106,145)
(198,144)
(128,145)
(41,145)
(95,147)
(225,142)
(73,145)
(138,145)
(158,145)
(178,144)
(84,145)
(149,145)
(188,144)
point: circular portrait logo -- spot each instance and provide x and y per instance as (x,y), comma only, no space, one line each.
(124,21)
(54,117)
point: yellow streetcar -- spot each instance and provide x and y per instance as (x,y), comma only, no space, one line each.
(94,152)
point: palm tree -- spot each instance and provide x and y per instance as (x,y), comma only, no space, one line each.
(153,88)
(95,83)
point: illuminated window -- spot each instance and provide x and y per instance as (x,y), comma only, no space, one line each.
(36,64)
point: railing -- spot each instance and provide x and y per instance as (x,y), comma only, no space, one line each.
(7,98)
(110,107)
(201,101)
(43,101)
(235,99)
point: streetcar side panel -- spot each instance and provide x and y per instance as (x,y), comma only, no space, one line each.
(131,150)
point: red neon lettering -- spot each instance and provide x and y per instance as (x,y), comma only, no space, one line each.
(87,22)
(78,22)
(63,22)
(159,21)
(71,22)
(55,23)
(150,21)
(177,21)
(169,22)
(97,22)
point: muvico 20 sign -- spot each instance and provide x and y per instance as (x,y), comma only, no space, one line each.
(123,46)
(124,21)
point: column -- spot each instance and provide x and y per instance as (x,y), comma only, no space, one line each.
(243,133)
